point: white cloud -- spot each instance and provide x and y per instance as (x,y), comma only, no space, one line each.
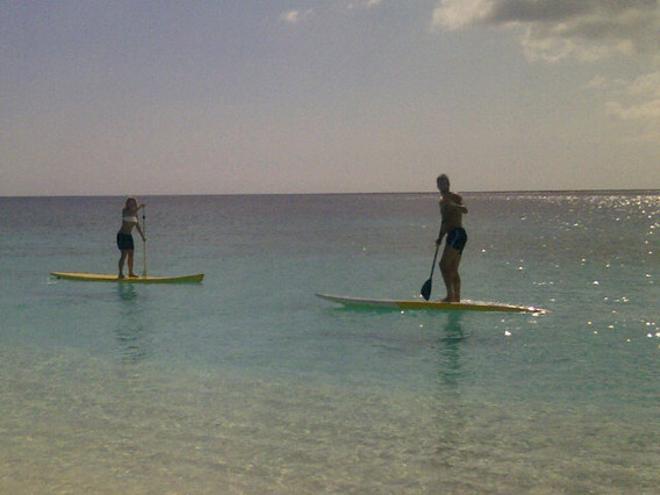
(602,83)
(636,101)
(552,30)
(648,84)
(598,82)
(646,115)
(364,4)
(294,16)
(585,30)
(646,110)
(553,47)
(643,100)
(457,14)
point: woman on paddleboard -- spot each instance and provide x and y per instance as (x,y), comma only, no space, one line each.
(451,210)
(124,237)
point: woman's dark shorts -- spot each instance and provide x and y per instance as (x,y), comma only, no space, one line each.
(457,239)
(125,241)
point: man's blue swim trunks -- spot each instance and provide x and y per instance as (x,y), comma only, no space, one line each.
(457,238)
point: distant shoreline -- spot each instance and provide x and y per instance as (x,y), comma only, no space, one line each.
(402,193)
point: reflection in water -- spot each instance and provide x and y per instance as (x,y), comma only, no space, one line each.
(126,292)
(450,368)
(452,413)
(131,330)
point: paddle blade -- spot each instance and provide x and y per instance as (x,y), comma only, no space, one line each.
(426,289)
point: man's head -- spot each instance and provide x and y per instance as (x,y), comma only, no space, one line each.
(443,183)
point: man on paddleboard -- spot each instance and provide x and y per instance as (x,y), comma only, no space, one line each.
(125,238)
(451,210)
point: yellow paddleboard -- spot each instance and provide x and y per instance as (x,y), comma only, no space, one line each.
(106,277)
(430,305)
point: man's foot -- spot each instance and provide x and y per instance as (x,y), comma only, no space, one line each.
(120,276)
(133,275)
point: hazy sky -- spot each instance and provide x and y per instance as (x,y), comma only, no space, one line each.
(258,96)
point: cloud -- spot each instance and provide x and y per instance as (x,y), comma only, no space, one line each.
(552,30)
(455,15)
(645,111)
(585,30)
(648,84)
(367,4)
(294,16)
(645,115)
(598,82)
(636,101)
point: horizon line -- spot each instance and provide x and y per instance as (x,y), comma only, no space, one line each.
(511,191)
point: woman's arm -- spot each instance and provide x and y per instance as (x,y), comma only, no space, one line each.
(139,229)
(134,211)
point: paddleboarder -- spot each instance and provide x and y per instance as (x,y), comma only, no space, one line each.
(124,237)
(451,211)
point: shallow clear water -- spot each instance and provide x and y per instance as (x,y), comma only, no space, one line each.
(249,384)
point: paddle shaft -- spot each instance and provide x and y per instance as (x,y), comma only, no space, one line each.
(428,285)
(435,257)
(144,243)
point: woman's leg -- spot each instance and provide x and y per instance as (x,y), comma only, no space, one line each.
(122,259)
(130,263)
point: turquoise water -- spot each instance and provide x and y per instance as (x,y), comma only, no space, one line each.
(247,383)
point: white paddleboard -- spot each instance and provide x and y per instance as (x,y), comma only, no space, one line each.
(431,305)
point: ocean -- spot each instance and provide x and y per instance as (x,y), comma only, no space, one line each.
(249,384)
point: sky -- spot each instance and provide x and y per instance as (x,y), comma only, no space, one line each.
(131,97)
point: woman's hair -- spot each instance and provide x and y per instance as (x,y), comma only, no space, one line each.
(128,200)
(442,176)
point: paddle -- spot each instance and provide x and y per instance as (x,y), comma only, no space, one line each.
(144,244)
(426,288)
